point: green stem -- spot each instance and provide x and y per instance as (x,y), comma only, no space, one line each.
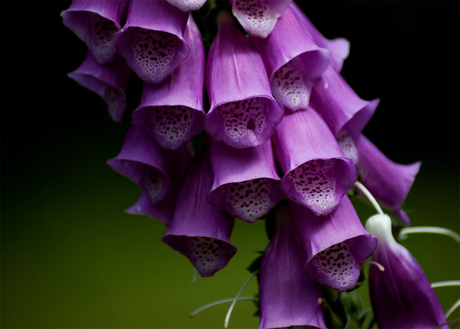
(429,229)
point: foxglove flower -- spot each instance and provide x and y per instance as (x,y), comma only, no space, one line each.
(317,174)
(336,244)
(401,296)
(339,48)
(198,230)
(95,22)
(246,182)
(258,17)
(387,181)
(108,81)
(288,297)
(294,66)
(339,105)
(243,112)
(173,111)
(187,5)
(152,39)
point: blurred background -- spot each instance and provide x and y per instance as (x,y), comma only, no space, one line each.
(71,257)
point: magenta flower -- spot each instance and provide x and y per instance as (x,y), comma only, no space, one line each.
(293,61)
(173,111)
(95,22)
(198,230)
(187,5)
(152,39)
(243,112)
(258,17)
(288,297)
(108,81)
(388,182)
(317,174)
(246,182)
(336,244)
(401,295)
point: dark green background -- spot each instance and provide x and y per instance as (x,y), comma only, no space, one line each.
(72,258)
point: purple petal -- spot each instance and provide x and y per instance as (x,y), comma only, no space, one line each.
(152,40)
(339,48)
(187,5)
(243,112)
(246,182)
(258,17)
(388,182)
(401,295)
(173,111)
(198,230)
(336,244)
(108,81)
(294,67)
(317,175)
(287,296)
(95,22)
(339,105)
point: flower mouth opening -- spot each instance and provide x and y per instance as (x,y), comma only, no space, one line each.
(152,182)
(100,38)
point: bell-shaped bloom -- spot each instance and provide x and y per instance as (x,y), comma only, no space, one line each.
(187,5)
(173,112)
(198,230)
(293,61)
(401,295)
(339,48)
(152,39)
(246,182)
(336,244)
(388,182)
(339,105)
(96,22)
(316,173)
(258,17)
(107,80)
(243,112)
(288,297)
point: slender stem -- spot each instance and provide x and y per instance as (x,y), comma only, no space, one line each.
(453,308)
(227,317)
(202,308)
(195,275)
(369,196)
(445,284)
(372,262)
(446,323)
(429,229)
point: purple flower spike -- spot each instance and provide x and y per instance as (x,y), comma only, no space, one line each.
(336,244)
(173,112)
(288,298)
(187,5)
(258,17)
(339,105)
(243,112)
(388,182)
(95,22)
(152,40)
(246,183)
(401,295)
(198,230)
(317,174)
(294,67)
(339,48)
(108,81)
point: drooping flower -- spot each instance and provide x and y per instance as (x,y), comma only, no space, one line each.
(243,112)
(293,61)
(107,80)
(336,244)
(258,17)
(246,182)
(152,39)
(288,297)
(198,230)
(173,112)
(95,22)
(387,181)
(317,174)
(401,295)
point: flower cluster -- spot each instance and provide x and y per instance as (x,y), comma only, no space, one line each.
(282,136)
